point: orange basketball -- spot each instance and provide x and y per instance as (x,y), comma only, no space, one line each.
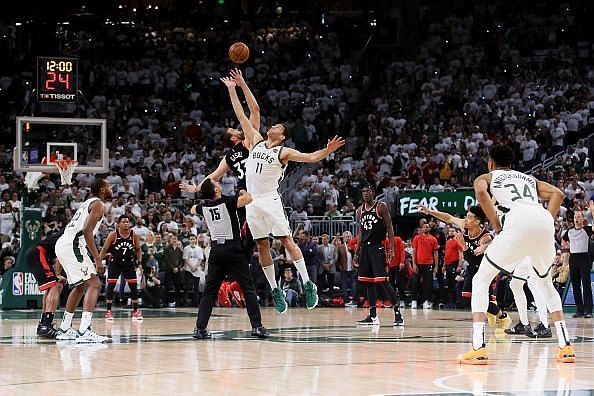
(239,52)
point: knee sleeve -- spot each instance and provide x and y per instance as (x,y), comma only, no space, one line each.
(480,287)
(133,290)
(109,291)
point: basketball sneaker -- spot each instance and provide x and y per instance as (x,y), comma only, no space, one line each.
(519,328)
(369,321)
(566,354)
(137,316)
(398,319)
(413,304)
(476,357)
(279,300)
(504,323)
(45,331)
(108,316)
(69,334)
(89,336)
(491,319)
(311,294)
(540,332)
(260,332)
(201,334)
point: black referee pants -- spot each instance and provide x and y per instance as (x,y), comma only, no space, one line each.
(580,265)
(228,259)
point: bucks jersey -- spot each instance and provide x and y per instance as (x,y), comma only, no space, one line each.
(122,250)
(236,158)
(373,228)
(264,169)
(78,221)
(512,188)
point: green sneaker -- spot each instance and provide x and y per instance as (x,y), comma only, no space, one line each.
(311,294)
(279,300)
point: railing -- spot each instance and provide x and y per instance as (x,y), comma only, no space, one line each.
(318,225)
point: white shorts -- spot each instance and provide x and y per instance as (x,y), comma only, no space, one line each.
(73,255)
(528,232)
(266,215)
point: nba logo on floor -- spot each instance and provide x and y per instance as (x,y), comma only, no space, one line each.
(18,284)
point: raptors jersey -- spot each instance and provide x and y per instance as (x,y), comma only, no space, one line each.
(76,225)
(372,225)
(264,170)
(123,251)
(236,158)
(511,188)
(473,243)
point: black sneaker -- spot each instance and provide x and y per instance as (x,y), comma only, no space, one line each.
(398,320)
(577,315)
(588,316)
(45,331)
(540,332)
(260,332)
(519,328)
(201,334)
(369,321)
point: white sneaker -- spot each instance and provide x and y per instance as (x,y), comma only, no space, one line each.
(90,336)
(69,334)
(413,304)
(427,305)
(402,304)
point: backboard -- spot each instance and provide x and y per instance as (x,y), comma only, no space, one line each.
(41,140)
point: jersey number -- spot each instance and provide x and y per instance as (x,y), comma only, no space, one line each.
(74,219)
(525,194)
(214,213)
(259,167)
(240,168)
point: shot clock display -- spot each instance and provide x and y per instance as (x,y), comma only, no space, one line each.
(57,79)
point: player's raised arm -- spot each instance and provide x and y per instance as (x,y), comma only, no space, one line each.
(550,193)
(481,189)
(445,217)
(250,133)
(215,175)
(250,98)
(289,154)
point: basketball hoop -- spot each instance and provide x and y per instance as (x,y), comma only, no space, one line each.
(66,169)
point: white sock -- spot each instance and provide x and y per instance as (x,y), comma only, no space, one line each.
(300,265)
(66,321)
(541,304)
(562,333)
(478,335)
(270,275)
(85,322)
(517,287)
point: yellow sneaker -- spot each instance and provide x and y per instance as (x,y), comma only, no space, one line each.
(492,319)
(566,354)
(476,357)
(504,323)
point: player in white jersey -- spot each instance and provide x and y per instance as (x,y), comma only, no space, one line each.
(265,168)
(528,232)
(80,258)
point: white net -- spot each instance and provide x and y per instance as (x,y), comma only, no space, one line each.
(66,169)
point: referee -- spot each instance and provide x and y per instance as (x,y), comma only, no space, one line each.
(580,263)
(226,256)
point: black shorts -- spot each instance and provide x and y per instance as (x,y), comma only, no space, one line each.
(115,270)
(42,270)
(467,286)
(372,263)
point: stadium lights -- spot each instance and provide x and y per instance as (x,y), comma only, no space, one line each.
(156,7)
(120,6)
(18,24)
(150,6)
(133,9)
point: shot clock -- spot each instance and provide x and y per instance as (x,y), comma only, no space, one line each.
(57,79)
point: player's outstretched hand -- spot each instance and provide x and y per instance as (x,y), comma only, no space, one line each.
(423,209)
(188,187)
(237,77)
(335,143)
(229,82)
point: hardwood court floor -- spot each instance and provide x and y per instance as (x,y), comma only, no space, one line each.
(310,352)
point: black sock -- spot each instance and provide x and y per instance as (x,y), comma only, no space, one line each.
(109,306)
(47,318)
(372,311)
(135,306)
(396,310)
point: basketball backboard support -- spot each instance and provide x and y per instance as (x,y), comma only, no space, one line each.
(80,139)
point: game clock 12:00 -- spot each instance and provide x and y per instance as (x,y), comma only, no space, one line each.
(57,79)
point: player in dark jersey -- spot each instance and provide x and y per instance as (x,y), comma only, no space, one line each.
(375,223)
(42,262)
(226,257)
(123,248)
(473,239)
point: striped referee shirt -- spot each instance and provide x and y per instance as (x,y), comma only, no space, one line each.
(579,239)
(221,218)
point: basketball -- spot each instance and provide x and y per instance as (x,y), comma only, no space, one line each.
(239,52)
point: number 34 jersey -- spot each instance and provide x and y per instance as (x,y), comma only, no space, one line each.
(512,188)
(264,169)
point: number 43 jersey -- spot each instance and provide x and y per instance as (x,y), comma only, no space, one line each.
(512,188)
(221,218)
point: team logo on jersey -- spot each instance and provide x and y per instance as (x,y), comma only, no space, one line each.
(84,270)
(32,227)
(367,221)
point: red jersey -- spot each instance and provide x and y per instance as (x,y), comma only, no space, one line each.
(425,245)
(399,254)
(452,252)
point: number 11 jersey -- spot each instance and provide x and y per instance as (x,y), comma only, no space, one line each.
(264,169)
(512,188)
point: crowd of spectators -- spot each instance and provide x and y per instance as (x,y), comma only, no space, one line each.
(419,121)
